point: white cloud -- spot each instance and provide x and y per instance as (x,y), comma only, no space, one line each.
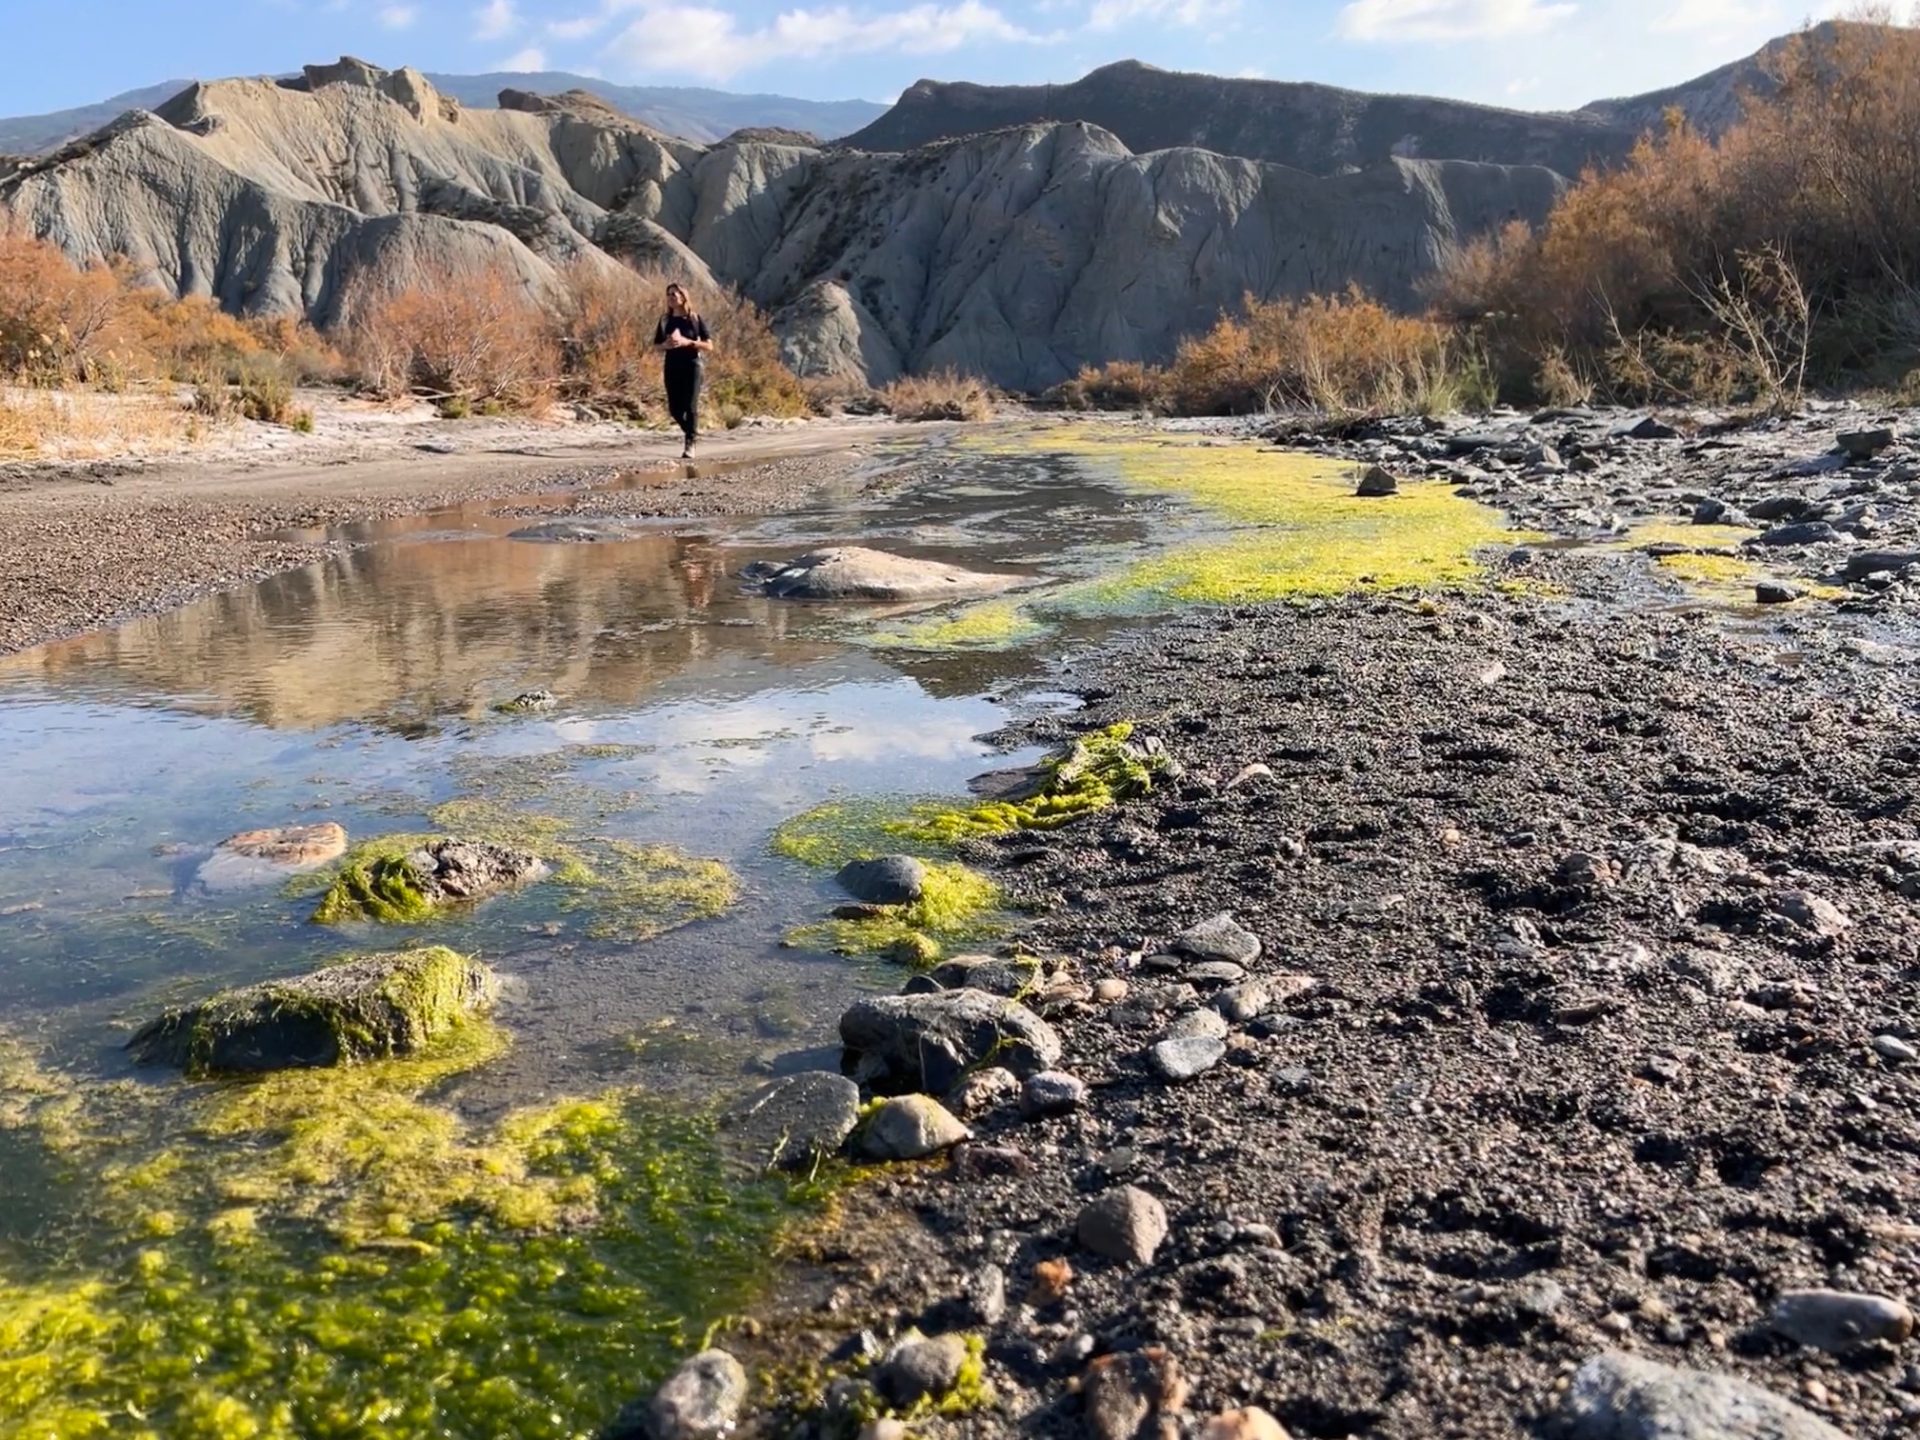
(1721,16)
(577,28)
(1112,14)
(1394,20)
(701,40)
(399,17)
(531,58)
(494,19)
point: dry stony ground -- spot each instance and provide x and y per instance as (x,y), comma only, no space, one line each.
(1604,1036)
(85,545)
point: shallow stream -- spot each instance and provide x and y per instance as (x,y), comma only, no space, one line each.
(452,1245)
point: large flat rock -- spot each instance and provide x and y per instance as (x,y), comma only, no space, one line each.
(370,1007)
(855,572)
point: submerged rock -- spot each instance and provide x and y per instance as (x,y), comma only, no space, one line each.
(854,572)
(884,880)
(930,1042)
(790,1122)
(255,857)
(401,888)
(369,1007)
(1622,1397)
(570,532)
(529,702)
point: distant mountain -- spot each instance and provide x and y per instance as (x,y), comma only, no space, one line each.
(699,115)
(1317,128)
(1712,101)
(30,134)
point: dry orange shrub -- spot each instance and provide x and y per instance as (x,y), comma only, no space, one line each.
(1655,279)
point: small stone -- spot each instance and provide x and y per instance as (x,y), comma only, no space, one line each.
(1892,1047)
(1215,972)
(1375,481)
(1186,1058)
(529,702)
(1812,913)
(1774,592)
(910,1127)
(1205,1024)
(1125,1224)
(1622,1397)
(884,880)
(1644,427)
(1053,1092)
(1122,1393)
(920,1369)
(989,1162)
(914,950)
(1800,532)
(1110,991)
(986,1296)
(1248,774)
(1219,937)
(903,1043)
(1241,1003)
(701,1400)
(1051,1280)
(1864,444)
(984,1091)
(1837,1321)
(1252,1423)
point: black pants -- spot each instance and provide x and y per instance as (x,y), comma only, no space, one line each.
(683,398)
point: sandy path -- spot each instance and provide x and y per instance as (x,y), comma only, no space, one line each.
(81,549)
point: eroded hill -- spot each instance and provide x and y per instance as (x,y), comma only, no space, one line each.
(1019,254)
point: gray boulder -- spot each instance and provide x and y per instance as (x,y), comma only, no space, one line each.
(1622,1397)
(702,1400)
(368,1007)
(884,880)
(1186,1057)
(928,1043)
(1864,444)
(855,572)
(1376,481)
(919,1369)
(792,1121)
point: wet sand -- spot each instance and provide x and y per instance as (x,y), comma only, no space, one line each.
(83,548)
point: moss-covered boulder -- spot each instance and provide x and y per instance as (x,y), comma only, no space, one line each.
(404,880)
(366,1007)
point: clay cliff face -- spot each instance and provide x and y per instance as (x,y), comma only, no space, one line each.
(1018,255)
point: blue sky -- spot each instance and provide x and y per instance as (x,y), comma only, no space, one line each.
(1537,54)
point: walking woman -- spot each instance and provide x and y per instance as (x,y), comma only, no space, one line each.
(682,337)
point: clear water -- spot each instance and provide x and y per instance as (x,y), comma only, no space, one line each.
(359,690)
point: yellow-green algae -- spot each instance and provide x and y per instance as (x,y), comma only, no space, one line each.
(957,903)
(1308,534)
(1713,566)
(989,625)
(335,1255)
(632,891)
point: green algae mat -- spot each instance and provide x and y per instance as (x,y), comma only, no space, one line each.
(333,1253)
(1253,525)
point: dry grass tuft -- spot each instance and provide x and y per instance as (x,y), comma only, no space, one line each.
(942,395)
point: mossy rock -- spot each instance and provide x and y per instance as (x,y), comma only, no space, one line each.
(404,880)
(367,1007)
